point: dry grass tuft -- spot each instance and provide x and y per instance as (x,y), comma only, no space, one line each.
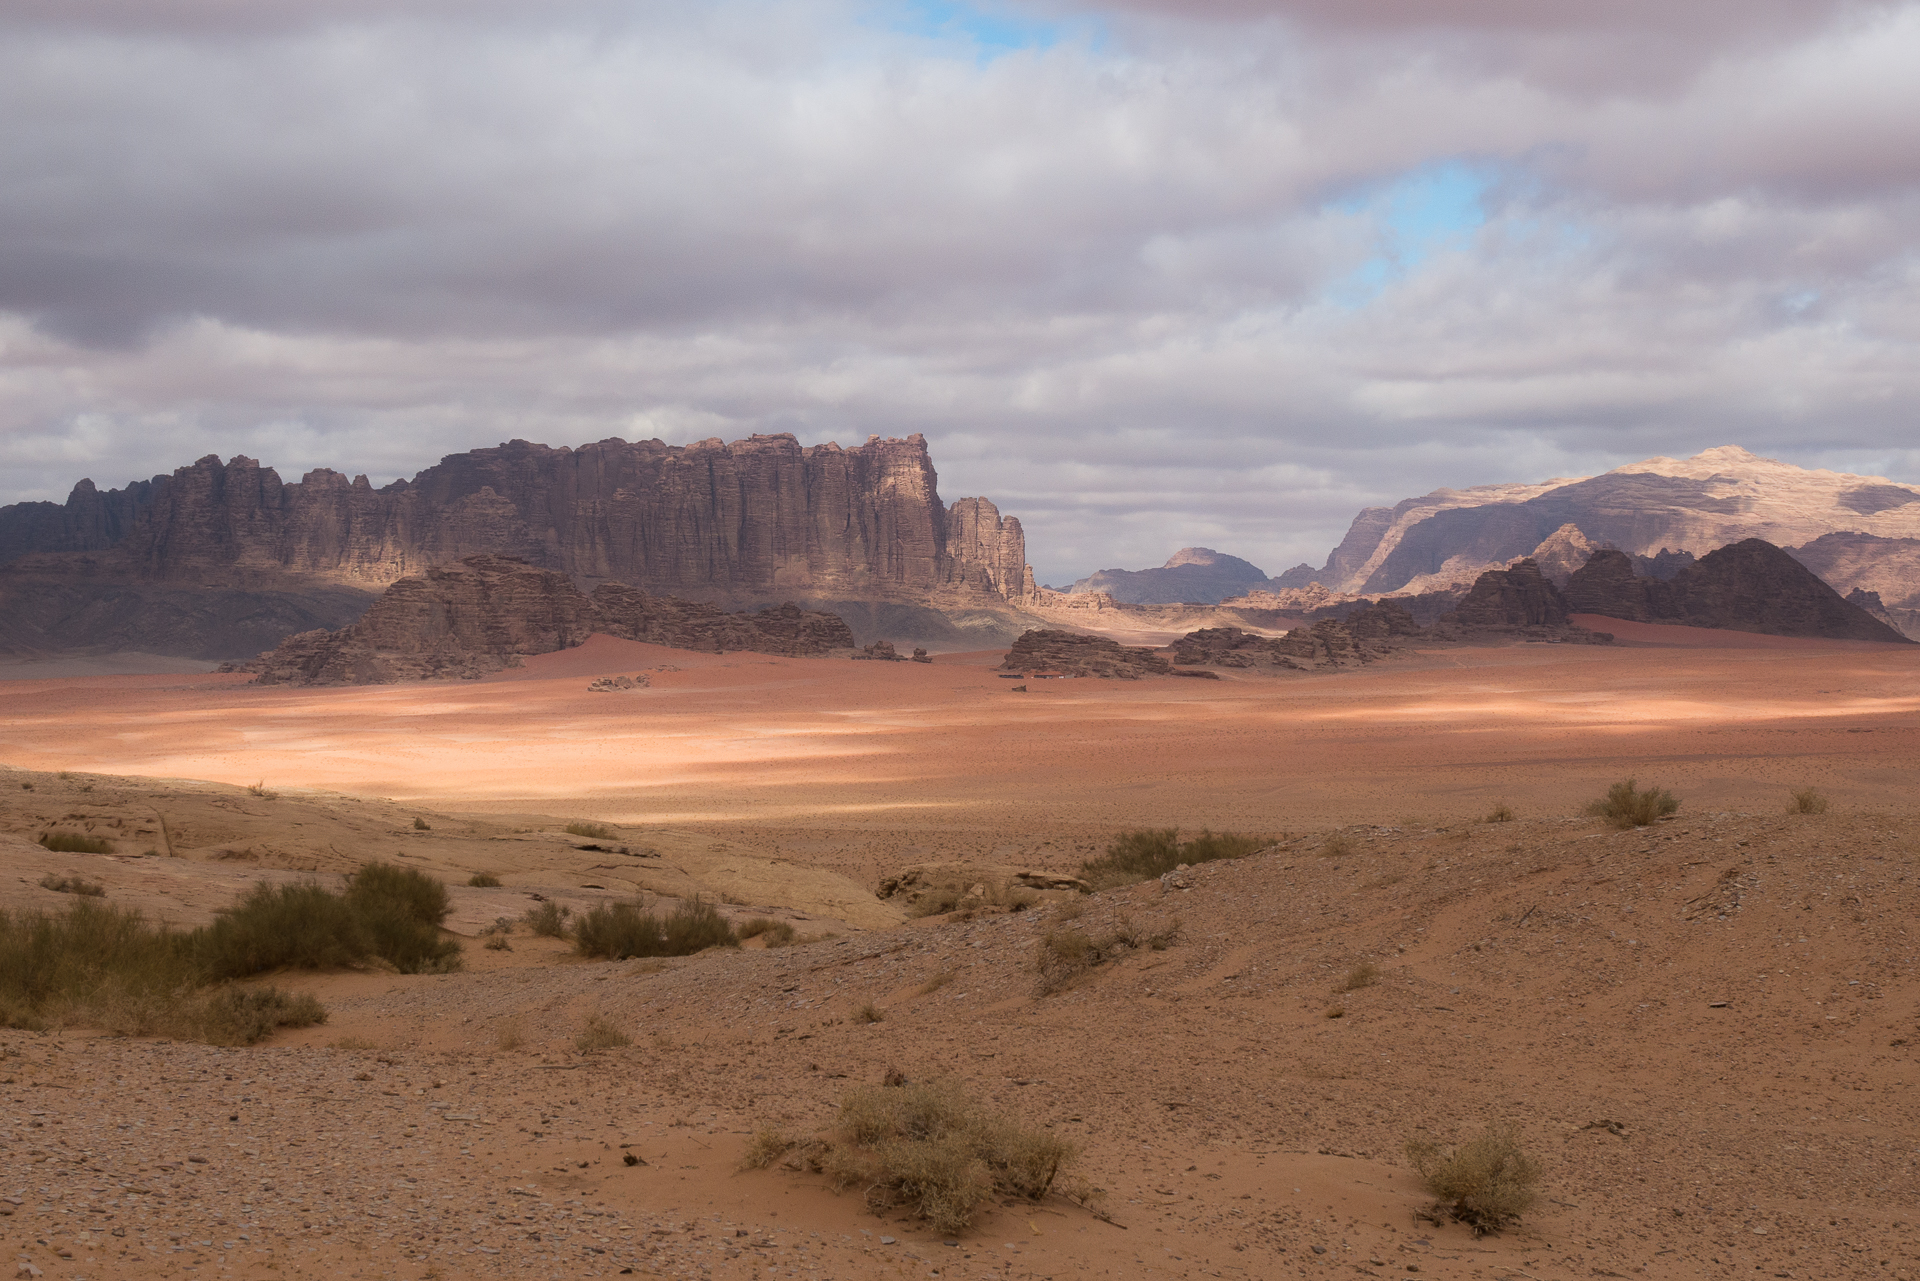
(1623,807)
(421,824)
(1500,814)
(1146,853)
(484,881)
(1364,974)
(925,1147)
(510,1035)
(1807,801)
(599,1034)
(598,831)
(1487,1182)
(935,983)
(869,1013)
(1336,1012)
(773,933)
(1064,957)
(260,789)
(1336,846)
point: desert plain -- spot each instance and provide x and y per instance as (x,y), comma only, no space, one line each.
(1703,1029)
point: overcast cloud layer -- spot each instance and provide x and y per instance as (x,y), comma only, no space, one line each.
(1147,273)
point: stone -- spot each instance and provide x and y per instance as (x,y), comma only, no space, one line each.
(1046,650)
(881,652)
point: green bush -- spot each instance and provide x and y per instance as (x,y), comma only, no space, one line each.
(403,890)
(1485,1183)
(1624,807)
(75,843)
(300,926)
(1146,853)
(618,930)
(926,1147)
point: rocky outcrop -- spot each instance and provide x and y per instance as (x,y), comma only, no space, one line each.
(1718,497)
(1748,586)
(1519,596)
(1075,654)
(1887,567)
(1193,575)
(484,613)
(1367,634)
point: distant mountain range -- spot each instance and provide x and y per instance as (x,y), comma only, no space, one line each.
(1861,534)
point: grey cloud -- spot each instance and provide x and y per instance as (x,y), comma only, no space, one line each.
(1123,287)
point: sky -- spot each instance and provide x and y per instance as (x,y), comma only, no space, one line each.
(1147,273)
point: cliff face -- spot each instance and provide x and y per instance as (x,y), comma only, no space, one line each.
(756,518)
(1749,586)
(480,614)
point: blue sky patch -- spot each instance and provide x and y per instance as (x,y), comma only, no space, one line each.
(992,31)
(1430,210)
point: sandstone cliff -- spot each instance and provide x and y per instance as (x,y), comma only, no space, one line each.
(1749,586)
(747,522)
(483,613)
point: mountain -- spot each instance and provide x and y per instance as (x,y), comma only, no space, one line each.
(1192,575)
(750,522)
(1748,586)
(1713,499)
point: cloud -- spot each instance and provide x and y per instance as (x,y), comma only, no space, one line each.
(1147,275)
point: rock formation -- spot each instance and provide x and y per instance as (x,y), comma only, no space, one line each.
(484,613)
(1367,634)
(1715,498)
(745,523)
(1889,568)
(1074,654)
(1748,586)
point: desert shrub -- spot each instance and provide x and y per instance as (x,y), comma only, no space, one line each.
(548,920)
(599,1034)
(617,930)
(955,896)
(1064,955)
(931,1149)
(935,983)
(1145,853)
(1485,1183)
(1334,1012)
(401,909)
(105,965)
(1365,974)
(869,1013)
(598,831)
(1807,801)
(73,885)
(484,881)
(1500,814)
(75,843)
(249,1015)
(260,789)
(420,824)
(1336,846)
(1624,807)
(299,926)
(497,943)
(776,933)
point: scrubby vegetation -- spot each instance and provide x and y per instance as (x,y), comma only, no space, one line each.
(547,920)
(1500,814)
(869,1013)
(617,930)
(1146,853)
(598,831)
(1065,954)
(1624,807)
(1487,1182)
(75,843)
(1807,801)
(960,896)
(104,965)
(390,912)
(1364,974)
(421,825)
(484,881)
(925,1147)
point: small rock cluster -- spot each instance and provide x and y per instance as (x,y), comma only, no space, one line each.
(609,684)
